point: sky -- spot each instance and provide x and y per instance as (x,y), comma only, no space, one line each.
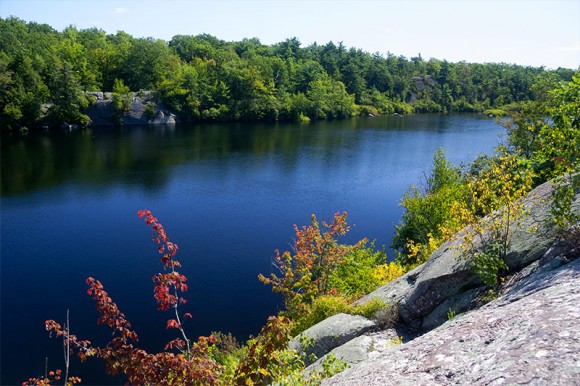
(526,32)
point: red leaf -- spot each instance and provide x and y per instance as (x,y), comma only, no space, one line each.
(172,323)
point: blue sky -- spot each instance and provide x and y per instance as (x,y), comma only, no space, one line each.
(527,32)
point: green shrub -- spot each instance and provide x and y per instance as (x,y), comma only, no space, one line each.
(150,110)
(355,275)
(367,110)
(429,218)
(326,306)
(489,263)
(321,308)
(403,108)
(428,106)
(91,99)
(370,309)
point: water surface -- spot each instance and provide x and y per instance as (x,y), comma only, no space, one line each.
(227,194)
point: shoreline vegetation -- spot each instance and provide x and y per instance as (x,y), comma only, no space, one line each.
(50,78)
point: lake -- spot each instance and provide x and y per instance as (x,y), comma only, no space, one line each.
(227,194)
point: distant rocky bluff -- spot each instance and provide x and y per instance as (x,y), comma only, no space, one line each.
(529,334)
(102,113)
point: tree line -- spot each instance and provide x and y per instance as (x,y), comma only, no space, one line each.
(45,76)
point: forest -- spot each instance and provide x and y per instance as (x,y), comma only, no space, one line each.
(46,77)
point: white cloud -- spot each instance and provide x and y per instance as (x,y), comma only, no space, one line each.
(119,10)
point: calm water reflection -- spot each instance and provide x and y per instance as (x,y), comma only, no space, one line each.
(228,194)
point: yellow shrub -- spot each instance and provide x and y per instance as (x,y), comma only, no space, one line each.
(385,273)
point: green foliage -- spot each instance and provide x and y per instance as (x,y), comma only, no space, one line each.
(322,278)
(263,360)
(546,131)
(498,113)
(355,276)
(427,105)
(120,88)
(544,139)
(451,313)
(449,201)
(22,92)
(330,366)
(372,308)
(150,110)
(204,78)
(121,96)
(488,263)
(496,192)
(428,219)
(267,360)
(305,274)
(325,306)
(560,143)
(228,353)
(67,97)
(500,180)
(329,99)
(566,221)
(147,63)
(322,307)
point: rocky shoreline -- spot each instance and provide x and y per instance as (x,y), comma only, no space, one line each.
(528,334)
(102,113)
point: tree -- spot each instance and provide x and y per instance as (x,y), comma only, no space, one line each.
(75,53)
(560,141)
(67,97)
(121,100)
(329,99)
(191,365)
(493,207)
(305,274)
(148,63)
(428,219)
(22,92)
(252,95)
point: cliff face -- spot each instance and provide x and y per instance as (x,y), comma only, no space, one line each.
(102,113)
(528,334)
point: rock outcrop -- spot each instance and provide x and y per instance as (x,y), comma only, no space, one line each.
(102,113)
(330,333)
(528,334)
(425,294)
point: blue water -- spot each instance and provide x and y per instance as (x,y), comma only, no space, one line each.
(227,194)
